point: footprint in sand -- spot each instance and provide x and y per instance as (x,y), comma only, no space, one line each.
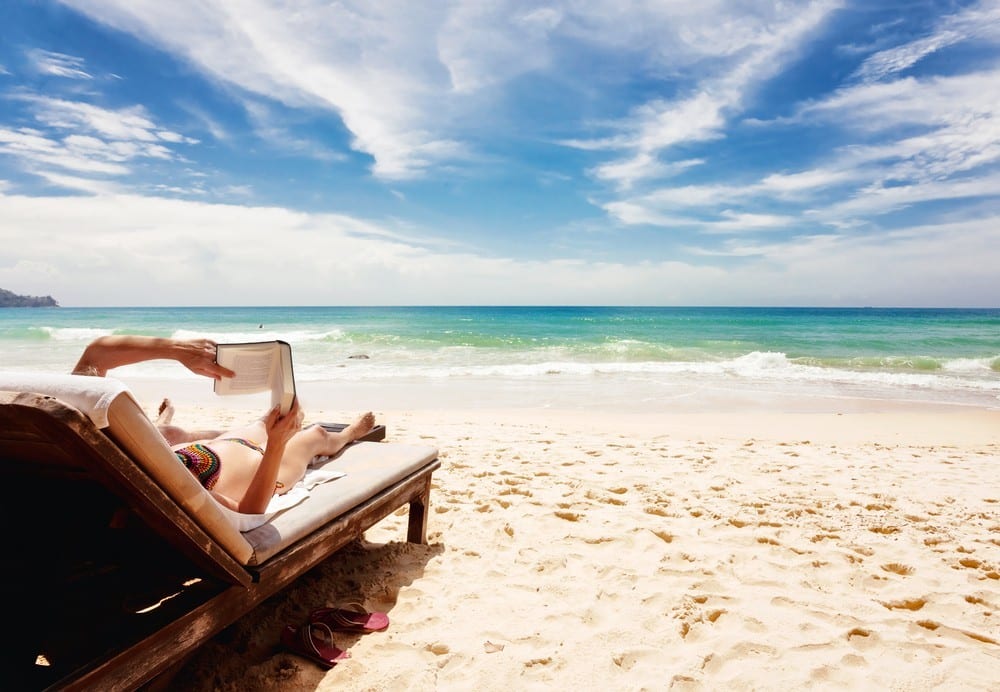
(591,495)
(913,604)
(933,626)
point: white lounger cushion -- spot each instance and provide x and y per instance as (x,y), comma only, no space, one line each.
(370,467)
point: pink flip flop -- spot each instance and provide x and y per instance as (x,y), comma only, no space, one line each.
(352,618)
(314,641)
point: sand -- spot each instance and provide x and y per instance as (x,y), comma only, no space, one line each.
(594,551)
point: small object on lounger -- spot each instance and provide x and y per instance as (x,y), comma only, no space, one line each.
(314,641)
(353,618)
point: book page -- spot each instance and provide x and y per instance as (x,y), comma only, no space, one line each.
(253,372)
(255,366)
(259,367)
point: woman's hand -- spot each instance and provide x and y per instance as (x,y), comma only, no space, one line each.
(265,480)
(198,356)
(280,428)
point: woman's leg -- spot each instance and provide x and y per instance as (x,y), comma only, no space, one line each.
(316,441)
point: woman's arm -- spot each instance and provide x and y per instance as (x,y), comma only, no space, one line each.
(109,352)
(226,501)
(280,429)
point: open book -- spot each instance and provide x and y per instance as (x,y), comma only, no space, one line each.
(260,367)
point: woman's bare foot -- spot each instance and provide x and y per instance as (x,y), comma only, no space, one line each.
(336,441)
(166,413)
(359,428)
(175,435)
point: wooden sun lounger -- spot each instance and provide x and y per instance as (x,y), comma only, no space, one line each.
(113,572)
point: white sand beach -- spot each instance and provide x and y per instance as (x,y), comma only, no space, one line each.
(595,550)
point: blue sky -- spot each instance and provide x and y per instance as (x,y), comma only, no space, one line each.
(826,152)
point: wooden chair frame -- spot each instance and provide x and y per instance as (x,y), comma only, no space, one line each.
(75,554)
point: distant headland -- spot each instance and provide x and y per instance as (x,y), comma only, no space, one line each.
(13,300)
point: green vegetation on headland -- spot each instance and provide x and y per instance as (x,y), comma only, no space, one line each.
(12,300)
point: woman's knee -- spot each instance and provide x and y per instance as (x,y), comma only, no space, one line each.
(313,435)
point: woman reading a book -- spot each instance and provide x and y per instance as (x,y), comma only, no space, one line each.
(242,468)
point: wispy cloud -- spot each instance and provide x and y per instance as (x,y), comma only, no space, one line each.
(909,141)
(375,67)
(880,199)
(37,150)
(89,186)
(981,20)
(407,79)
(270,128)
(659,125)
(132,124)
(958,132)
(205,120)
(86,139)
(58,64)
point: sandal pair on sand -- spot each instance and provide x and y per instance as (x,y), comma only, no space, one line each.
(314,639)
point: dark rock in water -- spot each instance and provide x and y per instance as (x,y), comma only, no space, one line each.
(360,356)
(12,300)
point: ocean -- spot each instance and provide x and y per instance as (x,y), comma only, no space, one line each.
(630,358)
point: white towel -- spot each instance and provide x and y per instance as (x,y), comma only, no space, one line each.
(90,395)
(279,503)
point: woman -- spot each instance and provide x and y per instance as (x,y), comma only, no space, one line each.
(242,468)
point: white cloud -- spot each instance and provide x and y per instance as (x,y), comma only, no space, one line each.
(376,67)
(792,184)
(58,64)
(409,79)
(642,166)
(124,249)
(485,44)
(933,101)
(959,133)
(763,47)
(978,21)
(744,221)
(269,128)
(34,149)
(908,137)
(878,199)
(661,206)
(73,182)
(205,120)
(897,59)
(86,139)
(634,212)
(128,124)
(952,130)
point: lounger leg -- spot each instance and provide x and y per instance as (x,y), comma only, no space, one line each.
(417,531)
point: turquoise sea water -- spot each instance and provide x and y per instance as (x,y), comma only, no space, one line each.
(665,354)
